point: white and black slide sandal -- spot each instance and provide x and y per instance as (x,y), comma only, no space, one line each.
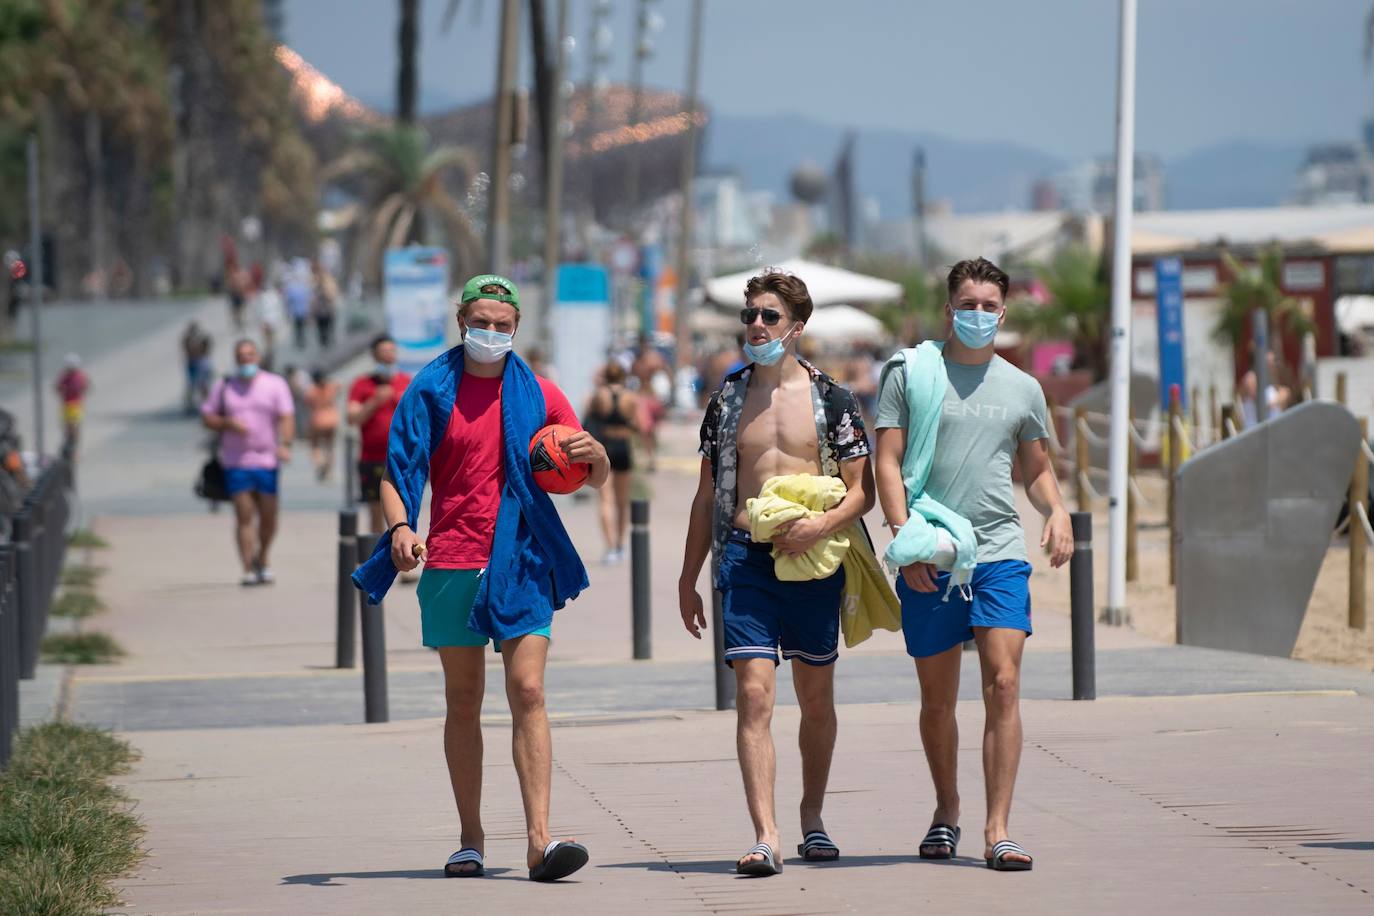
(998,861)
(561,858)
(938,836)
(762,868)
(453,868)
(817,846)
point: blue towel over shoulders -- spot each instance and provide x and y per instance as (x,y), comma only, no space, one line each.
(534,566)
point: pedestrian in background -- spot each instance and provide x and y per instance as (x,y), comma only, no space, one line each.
(324,305)
(298,292)
(613,418)
(254,414)
(372,399)
(72,386)
(195,350)
(322,404)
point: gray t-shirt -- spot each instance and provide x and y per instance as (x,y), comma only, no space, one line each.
(988,411)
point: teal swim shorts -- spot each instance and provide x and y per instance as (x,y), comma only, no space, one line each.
(446,597)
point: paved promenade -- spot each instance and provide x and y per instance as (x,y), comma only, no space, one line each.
(1200,782)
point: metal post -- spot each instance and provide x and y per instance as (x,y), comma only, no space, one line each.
(9,655)
(1195,416)
(1082,459)
(1359,496)
(1175,462)
(498,222)
(637,56)
(345,649)
(374,646)
(1132,512)
(639,578)
(725,676)
(26,579)
(1260,324)
(682,320)
(1081,608)
(350,470)
(1340,387)
(1121,315)
(1215,413)
(36,295)
(553,189)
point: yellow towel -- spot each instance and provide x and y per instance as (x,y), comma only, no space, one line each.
(868,601)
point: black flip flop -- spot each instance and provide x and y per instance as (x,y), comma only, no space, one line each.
(940,835)
(561,858)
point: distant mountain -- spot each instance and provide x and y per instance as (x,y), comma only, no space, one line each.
(980,176)
(974,177)
(1236,173)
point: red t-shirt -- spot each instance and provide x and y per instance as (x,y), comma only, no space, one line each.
(466,472)
(377,427)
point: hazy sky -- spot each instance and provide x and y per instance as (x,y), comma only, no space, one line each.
(1041,72)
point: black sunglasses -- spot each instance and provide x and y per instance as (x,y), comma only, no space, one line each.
(770,316)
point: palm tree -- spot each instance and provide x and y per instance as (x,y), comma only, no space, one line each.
(1078,310)
(1259,287)
(404,182)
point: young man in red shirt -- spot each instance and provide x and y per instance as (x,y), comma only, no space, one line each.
(463,453)
(371,402)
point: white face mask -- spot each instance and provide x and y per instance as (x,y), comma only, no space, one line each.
(485,346)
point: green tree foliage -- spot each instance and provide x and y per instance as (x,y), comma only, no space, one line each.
(1078,310)
(403,181)
(1258,287)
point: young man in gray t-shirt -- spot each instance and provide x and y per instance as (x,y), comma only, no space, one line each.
(992,415)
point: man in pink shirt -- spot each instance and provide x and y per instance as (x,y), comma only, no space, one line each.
(254,414)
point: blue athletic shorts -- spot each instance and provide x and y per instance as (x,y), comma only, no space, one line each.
(1001,598)
(254,480)
(762,613)
(446,597)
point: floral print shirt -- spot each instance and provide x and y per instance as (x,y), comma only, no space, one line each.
(839,430)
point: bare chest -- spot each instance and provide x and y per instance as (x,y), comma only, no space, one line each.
(779,424)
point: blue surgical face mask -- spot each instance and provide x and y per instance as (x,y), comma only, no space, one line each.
(975,327)
(769,353)
(248,370)
(485,346)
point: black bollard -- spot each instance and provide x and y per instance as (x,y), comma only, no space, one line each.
(1081,608)
(350,471)
(725,676)
(374,647)
(345,648)
(640,601)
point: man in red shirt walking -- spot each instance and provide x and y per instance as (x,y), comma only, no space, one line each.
(371,402)
(476,587)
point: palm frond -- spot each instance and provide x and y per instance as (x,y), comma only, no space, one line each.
(353,162)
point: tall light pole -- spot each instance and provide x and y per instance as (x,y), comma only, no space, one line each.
(1115,612)
(646,21)
(498,222)
(36,295)
(682,321)
(553,189)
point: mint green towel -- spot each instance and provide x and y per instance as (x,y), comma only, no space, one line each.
(926,383)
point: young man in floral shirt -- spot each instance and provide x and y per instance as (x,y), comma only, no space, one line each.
(778,415)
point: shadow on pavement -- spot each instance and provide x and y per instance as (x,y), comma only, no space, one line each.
(1355,845)
(727,866)
(326,879)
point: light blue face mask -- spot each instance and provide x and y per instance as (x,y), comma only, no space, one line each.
(975,327)
(486,346)
(769,353)
(248,370)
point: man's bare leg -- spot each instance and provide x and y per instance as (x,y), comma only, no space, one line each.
(267,525)
(939,677)
(815,686)
(999,653)
(465,676)
(531,745)
(245,537)
(755,687)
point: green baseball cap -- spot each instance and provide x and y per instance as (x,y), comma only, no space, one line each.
(473,290)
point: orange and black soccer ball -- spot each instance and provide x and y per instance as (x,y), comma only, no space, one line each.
(552,470)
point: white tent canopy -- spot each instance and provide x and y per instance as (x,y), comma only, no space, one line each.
(827,285)
(844,323)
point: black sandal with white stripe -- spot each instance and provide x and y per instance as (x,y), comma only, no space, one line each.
(453,868)
(817,846)
(940,836)
(998,861)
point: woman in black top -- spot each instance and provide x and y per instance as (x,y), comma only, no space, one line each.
(614,413)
